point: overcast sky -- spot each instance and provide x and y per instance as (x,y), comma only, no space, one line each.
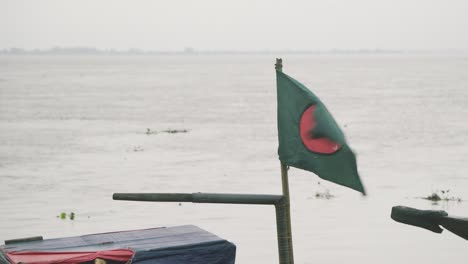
(235,25)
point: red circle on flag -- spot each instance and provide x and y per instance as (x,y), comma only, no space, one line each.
(315,144)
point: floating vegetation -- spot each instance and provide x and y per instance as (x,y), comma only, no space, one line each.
(149,132)
(442,195)
(137,149)
(433,197)
(324,193)
(169,131)
(64,216)
(173,131)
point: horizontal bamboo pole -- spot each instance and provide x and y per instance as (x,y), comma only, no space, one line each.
(225,198)
(21,240)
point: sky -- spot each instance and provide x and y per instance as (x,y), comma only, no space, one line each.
(240,25)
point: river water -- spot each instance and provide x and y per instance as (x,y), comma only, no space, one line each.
(73,132)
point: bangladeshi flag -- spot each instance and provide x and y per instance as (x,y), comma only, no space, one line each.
(309,137)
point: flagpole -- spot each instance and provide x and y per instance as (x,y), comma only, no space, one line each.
(285,244)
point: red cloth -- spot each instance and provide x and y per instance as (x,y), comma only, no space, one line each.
(34,257)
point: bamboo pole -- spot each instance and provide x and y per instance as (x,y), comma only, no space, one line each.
(225,198)
(279,201)
(285,244)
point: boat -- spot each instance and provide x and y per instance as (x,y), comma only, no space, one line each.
(179,244)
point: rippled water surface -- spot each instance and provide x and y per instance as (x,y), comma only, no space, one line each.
(72,132)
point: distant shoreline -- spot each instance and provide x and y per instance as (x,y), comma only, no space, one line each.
(190,51)
(187,51)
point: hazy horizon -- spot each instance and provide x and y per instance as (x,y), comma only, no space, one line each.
(238,26)
(194,50)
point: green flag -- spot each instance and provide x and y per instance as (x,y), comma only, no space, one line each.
(309,137)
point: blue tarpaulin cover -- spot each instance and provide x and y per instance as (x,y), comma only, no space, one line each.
(172,245)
